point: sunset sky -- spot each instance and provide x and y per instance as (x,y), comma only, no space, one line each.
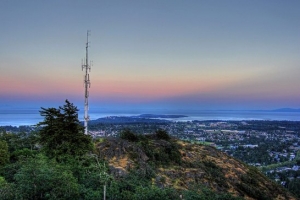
(218,54)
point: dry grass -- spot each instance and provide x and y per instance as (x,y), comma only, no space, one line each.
(200,165)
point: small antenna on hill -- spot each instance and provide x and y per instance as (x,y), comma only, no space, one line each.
(87,84)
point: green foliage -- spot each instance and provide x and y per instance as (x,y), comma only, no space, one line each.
(20,140)
(12,140)
(167,154)
(41,178)
(250,184)
(90,194)
(61,133)
(134,187)
(294,187)
(2,180)
(161,152)
(7,190)
(127,134)
(22,153)
(205,193)
(154,193)
(10,170)
(90,173)
(34,174)
(4,154)
(158,146)
(162,134)
(215,173)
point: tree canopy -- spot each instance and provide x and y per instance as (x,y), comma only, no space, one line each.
(4,154)
(61,132)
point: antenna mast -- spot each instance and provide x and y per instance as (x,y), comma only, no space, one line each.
(87,84)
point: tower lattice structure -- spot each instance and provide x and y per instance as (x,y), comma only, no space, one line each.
(87,84)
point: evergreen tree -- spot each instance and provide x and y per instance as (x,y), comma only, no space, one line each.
(4,154)
(41,178)
(61,133)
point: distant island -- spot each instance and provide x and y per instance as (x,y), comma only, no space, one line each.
(126,120)
(143,118)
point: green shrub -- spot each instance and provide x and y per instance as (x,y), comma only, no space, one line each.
(127,134)
(251,186)
(162,134)
(4,154)
(215,173)
(203,193)
(294,187)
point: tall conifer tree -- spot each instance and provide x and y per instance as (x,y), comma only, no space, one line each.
(61,133)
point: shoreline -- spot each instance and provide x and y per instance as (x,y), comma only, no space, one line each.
(30,119)
(172,120)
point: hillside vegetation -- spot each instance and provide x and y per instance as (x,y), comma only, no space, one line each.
(170,163)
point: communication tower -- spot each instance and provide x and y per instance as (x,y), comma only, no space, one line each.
(87,83)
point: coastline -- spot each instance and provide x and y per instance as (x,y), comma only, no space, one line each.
(32,118)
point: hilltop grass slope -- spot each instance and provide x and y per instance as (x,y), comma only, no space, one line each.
(170,163)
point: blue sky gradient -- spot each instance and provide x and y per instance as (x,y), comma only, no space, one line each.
(215,54)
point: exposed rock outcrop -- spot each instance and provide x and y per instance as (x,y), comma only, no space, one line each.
(179,164)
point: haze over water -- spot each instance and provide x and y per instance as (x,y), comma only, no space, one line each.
(32,117)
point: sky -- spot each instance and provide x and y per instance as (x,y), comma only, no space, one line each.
(193,54)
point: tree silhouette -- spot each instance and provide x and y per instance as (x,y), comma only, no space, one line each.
(61,133)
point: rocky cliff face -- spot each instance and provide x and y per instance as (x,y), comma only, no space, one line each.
(182,165)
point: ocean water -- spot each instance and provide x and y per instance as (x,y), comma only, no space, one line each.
(18,117)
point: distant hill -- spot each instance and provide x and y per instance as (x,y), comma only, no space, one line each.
(143,118)
(286,110)
(126,120)
(184,166)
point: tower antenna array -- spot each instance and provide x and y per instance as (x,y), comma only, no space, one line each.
(87,84)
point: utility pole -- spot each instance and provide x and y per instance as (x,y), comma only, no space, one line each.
(87,84)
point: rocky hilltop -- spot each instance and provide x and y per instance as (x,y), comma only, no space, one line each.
(171,163)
